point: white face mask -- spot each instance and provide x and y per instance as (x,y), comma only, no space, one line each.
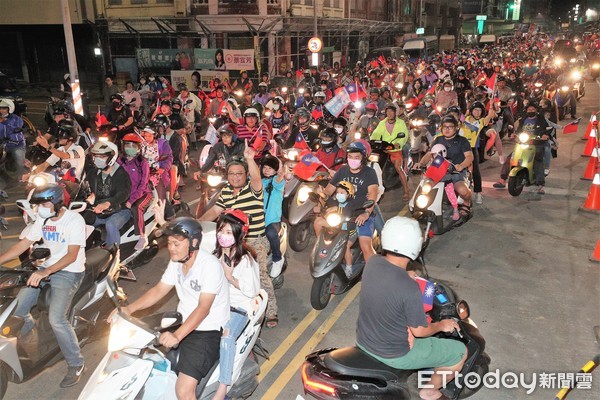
(341,198)
(338,129)
(275,107)
(427,104)
(45,212)
(447,89)
(151,79)
(100,163)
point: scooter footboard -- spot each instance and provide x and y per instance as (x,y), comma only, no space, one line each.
(328,252)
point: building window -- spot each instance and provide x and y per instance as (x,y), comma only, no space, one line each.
(200,2)
(139,1)
(237,1)
(358,5)
(406,7)
(115,2)
(164,1)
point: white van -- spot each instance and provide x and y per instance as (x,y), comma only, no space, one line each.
(487,39)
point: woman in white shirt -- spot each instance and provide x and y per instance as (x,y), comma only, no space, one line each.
(241,270)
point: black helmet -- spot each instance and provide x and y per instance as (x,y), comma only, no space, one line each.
(340,121)
(225,130)
(48,192)
(328,138)
(167,102)
(390,106)
(37,154)
(187,227)
(117,97)
(60,110)
(449,119)
(66,130)
(303,112)
(477,104)
(161,120)
(270,161)
(374,90)
(176,101)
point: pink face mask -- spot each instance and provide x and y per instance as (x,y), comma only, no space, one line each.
(354,164)
(225,241)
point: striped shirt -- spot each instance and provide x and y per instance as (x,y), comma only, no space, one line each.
(248,201)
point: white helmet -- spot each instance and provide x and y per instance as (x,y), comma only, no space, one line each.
(106,148)
(319,94)
(439,149)
(402,235)
(8,103)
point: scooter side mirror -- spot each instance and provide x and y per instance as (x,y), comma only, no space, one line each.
(278,139)
(462,310)
(338,161)
(78,206)
(401,135)
(40,253)
(170,319)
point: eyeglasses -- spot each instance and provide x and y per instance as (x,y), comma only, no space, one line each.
(448,127)
(236,174)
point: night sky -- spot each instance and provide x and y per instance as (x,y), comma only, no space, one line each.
(560,8)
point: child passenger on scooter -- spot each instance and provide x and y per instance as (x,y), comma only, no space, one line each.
(273,184)
(242,272)
(344,194)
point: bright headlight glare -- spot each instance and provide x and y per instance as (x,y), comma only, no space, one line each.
(284,89)
(374,158)
(213,180)
(576,75)
(523,137)
(422,201)
(39,181)
(301,90)
(564,88)
(103,139)
(357,135)
(426,188)
(333,219)
(303,193)
(292,155)
(596,66)
(538,84)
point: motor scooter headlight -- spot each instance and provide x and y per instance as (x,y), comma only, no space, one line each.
(303,193)
(333,219)
(284,89)
(301,90)
(565,88)
(292,154)
(357,135)
(426,188)
(213,180)
(422,201)
(596,66)
(39,180)
(524,138)
(374,158)
(538,84)
(576,75)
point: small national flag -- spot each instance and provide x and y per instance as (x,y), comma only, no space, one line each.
(316,114)
(101,120)
(431,89)
(412,104)
(300,142)
(491,81)
(307,166)
(338,102)
(427,292)
(437,169)
(571,127)
(355,92)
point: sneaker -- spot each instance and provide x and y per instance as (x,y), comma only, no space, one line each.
(502,160)
(276,268)
(478,198)
(141,243)
(546,172)
(501,184)
(73,376)
(455,215)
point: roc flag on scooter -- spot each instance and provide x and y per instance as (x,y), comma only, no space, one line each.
(571,127)
(427,292)
(437,169)
(300,142)
(307,166)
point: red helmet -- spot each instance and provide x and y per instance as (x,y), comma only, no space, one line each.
(133,137)
(371,106)
(240,216)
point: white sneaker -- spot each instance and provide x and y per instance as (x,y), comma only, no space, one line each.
(276,268)
(478,198)
(502,159)
(141,243)
(546,172)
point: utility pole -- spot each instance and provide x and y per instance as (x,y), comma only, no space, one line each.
(315,14)
(70,44)
(421,15)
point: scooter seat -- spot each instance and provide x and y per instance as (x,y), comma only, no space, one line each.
(352,361)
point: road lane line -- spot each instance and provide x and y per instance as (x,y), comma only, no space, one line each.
(310,345)
(286,344)
(10,236)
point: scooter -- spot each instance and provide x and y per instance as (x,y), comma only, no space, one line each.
(379,154)
(418,140)
(210,186)
(562,101)
(21,358)
(521,164)
(135,367)
(327,256)
(350,373)
(430,204)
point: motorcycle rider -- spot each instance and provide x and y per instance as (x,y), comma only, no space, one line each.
(120,115)
(11,126)
(203,294)
(62,231)
(68,152)
(223,151)
(369,121)
(459,153)
(244,191)
(303,127)
(280,117)
(110,188)
(446,97)
(133,98)
(329,150)
(463,87)
(253,128)
(392,326)
(191,110)
(376,99)
(364,178)
(388,131)
(564,79)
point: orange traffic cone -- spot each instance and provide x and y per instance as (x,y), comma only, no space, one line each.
(592,166)
(595,256)
(588,130)
(591,144)
(592,203)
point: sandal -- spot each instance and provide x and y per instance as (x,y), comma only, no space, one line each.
(464,210)
(272,321)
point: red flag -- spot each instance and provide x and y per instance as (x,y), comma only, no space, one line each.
(355,92)
(571,127)
(431,89)
(374,64)
(427,292)
(300,142)
(437,169)
(491,81)
(307,166)
(412,104)
(316,114)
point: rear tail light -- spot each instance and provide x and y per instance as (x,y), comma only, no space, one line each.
(314,386)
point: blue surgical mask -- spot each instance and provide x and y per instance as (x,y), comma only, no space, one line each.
(341,198)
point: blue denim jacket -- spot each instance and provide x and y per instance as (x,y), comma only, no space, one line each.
(7,132)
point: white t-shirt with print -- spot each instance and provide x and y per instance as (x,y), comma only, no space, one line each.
(76,158)
(205,276)
(69,230)
(248,276)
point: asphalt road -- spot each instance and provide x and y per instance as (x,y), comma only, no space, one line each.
(521,263)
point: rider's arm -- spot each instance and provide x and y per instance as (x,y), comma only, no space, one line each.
(210,160)
(121,189)
(446,325)
(149,298)
(253,170)
(468,160)
(65,261)
(372,193)
(197,316)
(212,213)
(15,250)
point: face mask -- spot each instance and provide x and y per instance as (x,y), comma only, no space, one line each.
(341,198)
(370,115)
(151,79)
(164,85)
(338,129)
(143,81)
(326,142)
(116,104)
(324,87)
(354,164)
(225,241)
(307,98)
(531,114)
(100,163)
(427,104)
(131,151)
(45,212)
(447,89)
(275,107)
